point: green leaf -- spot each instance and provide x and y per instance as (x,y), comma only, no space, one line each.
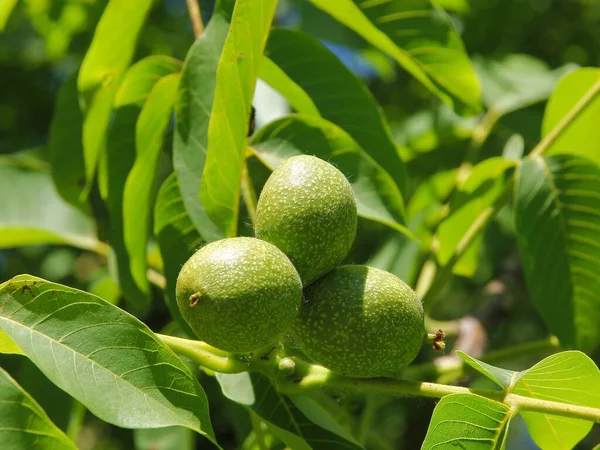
(567,377)
(557,204)
(421,38)
(23,423)
(283,418)
(479,191)
(6,8)
(271,74)
(582,137)
(102,356)
(169,438)
(137,85)
(103,66)
(178,239)
(338,95)
(502,377)
(469,422)
(193,112)
(457,6)
(66,146)
(33,213)
(237,72)
(8,346)
(151,127)
(377,197)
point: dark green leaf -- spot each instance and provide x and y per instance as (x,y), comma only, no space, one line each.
(102,356)
(66,146)
(469,422)
(420,37)
(104,64)
(178,239)
(338,95)
(283,418)
(23,423)
(557,211)
(151,127)
(582,137)
(377,197)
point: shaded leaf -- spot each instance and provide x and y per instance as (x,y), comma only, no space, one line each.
(103,66)
(557,211)
(23,423)
(151,127)
(178,239)
(338,95)
(582,137)
(102,356)
(469,422)
(567,377)
(479,191)
(377,197)
(33,213)
(66,145)
(420,37)
(283,418)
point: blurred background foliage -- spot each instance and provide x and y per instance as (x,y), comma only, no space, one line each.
(519,48)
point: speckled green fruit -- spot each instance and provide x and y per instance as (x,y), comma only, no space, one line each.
(239,294)
(307,209)
(360,322)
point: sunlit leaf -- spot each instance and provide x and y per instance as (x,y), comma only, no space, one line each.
(8,346)
(104,64)
(102,356)
(151,127)
(557,211)
(33,213)
(377,197)
(178,239)
(469,422)
(582,137)
(23,423)
(502,377)
(6,8)
(237,72)
(283,418)
(567,377)
(420,37)
(338,95)
(170,438)
(66,146)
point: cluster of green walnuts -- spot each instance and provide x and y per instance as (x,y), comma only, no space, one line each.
(243,294)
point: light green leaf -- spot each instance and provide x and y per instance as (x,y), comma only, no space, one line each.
(479,191)
(271,74)
(338,95)
(103,66)
(457,6)
(282,417)
(502,377)
(193,112)
(169,438)
(23,423)
(377,197)
(567,377)
(137,84)
(66,146)
(8,346)
(557,212)
(237,72)
(469,422)
(102,356)
(151,127)
(582,137)
(33,213)
(6,8)
(420,37)
(178,239)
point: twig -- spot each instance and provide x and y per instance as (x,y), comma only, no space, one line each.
(195,17)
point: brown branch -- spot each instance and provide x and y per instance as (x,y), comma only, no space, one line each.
(195,17)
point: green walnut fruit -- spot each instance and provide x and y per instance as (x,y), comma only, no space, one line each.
(239,294)
(307,209)
(360,322)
